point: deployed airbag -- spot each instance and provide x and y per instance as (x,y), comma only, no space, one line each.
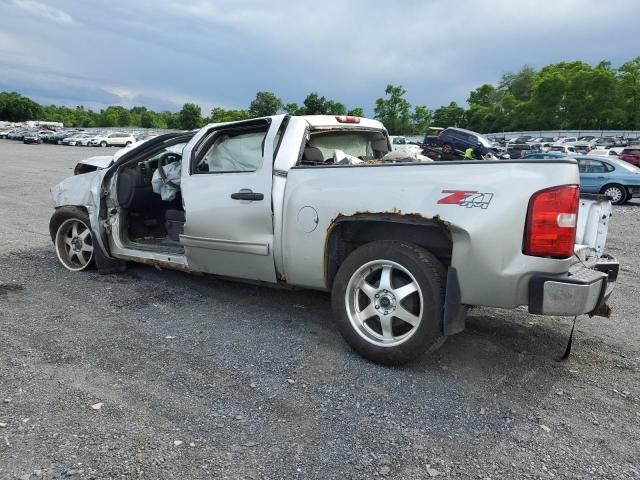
(168,187)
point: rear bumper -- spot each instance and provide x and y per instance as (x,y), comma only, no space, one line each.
(581,290)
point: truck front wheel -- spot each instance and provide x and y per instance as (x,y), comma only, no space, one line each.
(72,238)
(387,301)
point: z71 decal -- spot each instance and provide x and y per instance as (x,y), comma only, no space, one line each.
(466,198)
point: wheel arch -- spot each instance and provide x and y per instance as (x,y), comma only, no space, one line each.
(346,233)
(104,262)
(62,213)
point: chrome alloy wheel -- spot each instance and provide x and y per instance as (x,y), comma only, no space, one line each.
(384,303)
(74,244)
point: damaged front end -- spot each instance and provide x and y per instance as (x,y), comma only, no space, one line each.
(82,191)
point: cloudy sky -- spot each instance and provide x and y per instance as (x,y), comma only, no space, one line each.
(162,53)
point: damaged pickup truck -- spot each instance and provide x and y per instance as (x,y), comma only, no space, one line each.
(315,202)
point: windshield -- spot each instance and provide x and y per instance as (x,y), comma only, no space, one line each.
(484,141)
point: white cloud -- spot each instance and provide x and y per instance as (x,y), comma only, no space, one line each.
(223,51)
(44,11)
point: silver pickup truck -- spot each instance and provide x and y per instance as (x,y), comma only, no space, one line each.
(318,202)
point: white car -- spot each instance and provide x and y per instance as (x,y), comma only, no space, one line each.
(77,140)
(115,139)
(400,144)
(601,151)
(560,148)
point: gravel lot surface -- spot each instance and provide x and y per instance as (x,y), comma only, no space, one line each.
(158,374)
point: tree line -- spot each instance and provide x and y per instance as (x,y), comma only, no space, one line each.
(566,95)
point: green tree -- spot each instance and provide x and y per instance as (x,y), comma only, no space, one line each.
(393,111)
(292,109)
(629,82)
(519,84)
(220,115)
(264,105)
(451,115)
(190,116)
(356,112)
(547,98)
(313,104)
(17,108)
(421,119)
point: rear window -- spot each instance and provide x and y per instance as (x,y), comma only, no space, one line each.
(364,145)
(631,151)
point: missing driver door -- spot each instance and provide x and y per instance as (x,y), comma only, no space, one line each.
(227,198)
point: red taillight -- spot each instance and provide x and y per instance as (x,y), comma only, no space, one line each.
(551,222)
(347,119)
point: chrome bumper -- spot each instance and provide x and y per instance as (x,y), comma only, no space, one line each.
(581,290)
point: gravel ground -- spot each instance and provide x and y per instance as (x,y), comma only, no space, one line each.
(194,377)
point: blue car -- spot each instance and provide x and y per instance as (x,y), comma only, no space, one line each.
(543,155)
(454,138)
(617,179)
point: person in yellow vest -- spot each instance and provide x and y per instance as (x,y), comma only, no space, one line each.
(468,154)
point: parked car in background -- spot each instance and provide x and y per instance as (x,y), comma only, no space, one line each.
(453,138)
(114,139)
(517,150)
(602,151)
(18,134)
(617,179)
(568,149)
(78,139)
(543,155)
(563,140)
(521,139)
(32,137)
(607,175)
(400,144)
(581,147)
(6,132)
(58,137)
(631,155)
(606,142)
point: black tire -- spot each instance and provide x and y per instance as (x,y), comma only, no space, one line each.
(447,148)
(127,144)
(617,193)
(103,144)
(429,275)
(72,258)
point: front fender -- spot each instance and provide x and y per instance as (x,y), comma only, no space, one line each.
(82,191)
(78,191)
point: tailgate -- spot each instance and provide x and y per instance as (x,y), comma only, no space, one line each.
(593,225)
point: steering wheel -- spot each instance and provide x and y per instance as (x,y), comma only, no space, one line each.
(166,159)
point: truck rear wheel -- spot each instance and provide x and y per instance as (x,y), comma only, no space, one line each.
(387,301)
